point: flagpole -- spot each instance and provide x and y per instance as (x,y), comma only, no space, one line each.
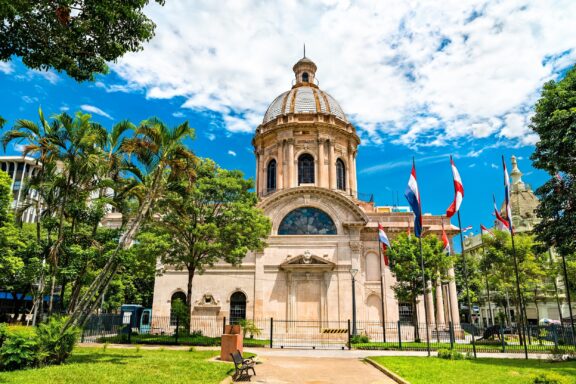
(423,273)
(518,290)
(486,278)
(382,272)
(466,284)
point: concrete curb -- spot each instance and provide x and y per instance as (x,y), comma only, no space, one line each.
(386,371)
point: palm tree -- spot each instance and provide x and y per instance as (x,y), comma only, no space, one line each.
(155,156)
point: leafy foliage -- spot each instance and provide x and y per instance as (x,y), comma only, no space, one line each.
(19,349)
(55,343)
(78,37)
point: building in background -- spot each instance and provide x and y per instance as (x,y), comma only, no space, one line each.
(21,169)
(524,204)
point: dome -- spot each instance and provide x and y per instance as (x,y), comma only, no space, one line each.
(304,97)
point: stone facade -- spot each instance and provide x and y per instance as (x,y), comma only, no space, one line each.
(305,153)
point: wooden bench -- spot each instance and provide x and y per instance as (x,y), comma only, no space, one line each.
(242,366)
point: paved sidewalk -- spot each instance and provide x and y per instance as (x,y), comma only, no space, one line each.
(304,370)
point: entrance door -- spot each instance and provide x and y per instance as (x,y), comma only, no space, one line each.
(308,300)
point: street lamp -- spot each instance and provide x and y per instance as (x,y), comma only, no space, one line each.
(353,272)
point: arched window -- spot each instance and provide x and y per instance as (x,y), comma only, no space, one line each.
(340,175)
(177,305)
(271,176)
(237,307)
(305,77)
(306,169)
(307,221)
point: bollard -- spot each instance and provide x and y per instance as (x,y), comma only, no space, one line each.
(451,332)
(224,325)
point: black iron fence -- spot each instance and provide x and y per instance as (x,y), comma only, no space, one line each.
(276,333)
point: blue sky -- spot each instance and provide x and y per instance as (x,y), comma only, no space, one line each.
(425,79)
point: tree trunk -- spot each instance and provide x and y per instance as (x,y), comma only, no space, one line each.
(100,283)
(189,303)
(415,319)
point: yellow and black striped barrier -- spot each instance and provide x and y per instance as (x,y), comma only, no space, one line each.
(335,330)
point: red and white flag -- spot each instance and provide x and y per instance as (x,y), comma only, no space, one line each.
(466,229)
(507,197)
(486,231)
(445,242)
(458,191)
(502,222)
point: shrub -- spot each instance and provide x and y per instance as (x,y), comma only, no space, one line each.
(19,349)
(3,332)
(450,354)
(56,346)
(359,339)
(549,378)
(249,327)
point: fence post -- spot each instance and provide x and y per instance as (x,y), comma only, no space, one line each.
(349,336)
(502,338)
(555,333)
(224,325)
(130,332)
(177,327)
(451,332)
(399,336)
(271,332)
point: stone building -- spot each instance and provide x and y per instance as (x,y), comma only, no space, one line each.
(21,169)
(306,151)
(524,204)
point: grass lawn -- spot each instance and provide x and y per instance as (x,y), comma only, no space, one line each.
(421,370)
(94,365)
(493,347)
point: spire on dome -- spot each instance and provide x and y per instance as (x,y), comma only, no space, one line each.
(516,174)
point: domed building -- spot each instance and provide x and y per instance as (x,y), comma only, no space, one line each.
(322,233)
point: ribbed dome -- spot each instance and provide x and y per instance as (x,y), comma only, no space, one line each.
(305,96)
(304,99)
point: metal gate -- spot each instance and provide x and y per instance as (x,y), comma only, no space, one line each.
(309,334)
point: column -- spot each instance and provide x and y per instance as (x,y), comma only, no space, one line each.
(439,304)
(430,303)
(349,173)
(353,173)
(258,305)
(258,190)
(331,165)
(21,184)
(321,176)
(453,298)
(279,167)
(291,177)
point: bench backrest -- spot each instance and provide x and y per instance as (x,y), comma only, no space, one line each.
(237,358)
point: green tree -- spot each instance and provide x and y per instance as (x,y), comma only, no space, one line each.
(555,122)
(75,36)
(214,219)
(405,265)
(156,157)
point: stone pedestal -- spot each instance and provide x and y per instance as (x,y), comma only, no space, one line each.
(231,342)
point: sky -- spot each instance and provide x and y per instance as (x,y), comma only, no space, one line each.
(422,79)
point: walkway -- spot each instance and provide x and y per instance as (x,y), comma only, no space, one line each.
(304,370)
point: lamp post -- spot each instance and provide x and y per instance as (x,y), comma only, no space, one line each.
(353,272)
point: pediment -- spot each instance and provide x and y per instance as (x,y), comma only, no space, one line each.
(307,262)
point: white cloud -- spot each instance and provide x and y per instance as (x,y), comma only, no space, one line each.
(472,165)
(6,67)
(232,153)
(178,114)
(425,73)
(95,110)
(405,163)
(493,166)
(64,108)
(210,136)
(30,99)
(50,76)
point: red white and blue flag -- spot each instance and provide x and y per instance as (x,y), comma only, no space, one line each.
(445,242)
(502,223)
(413,197)
(507,196)
(384,243)
(458,191)
(485,231)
